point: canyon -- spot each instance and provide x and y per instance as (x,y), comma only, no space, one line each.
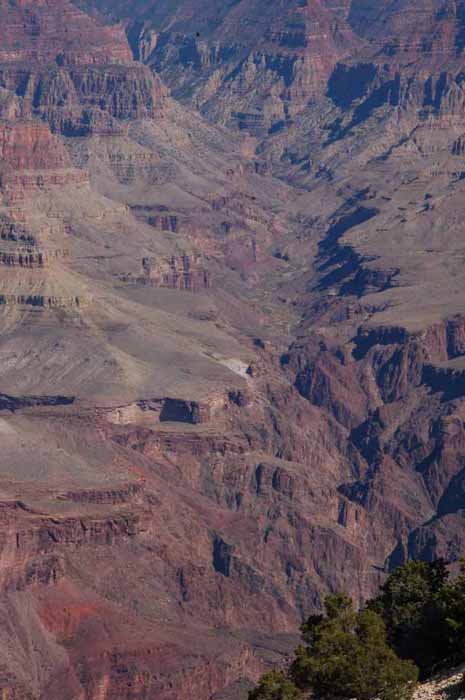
(232,329)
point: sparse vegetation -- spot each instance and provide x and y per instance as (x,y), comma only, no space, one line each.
(416,626)
(424,611)
(276,686)
(412,604)
(344,655)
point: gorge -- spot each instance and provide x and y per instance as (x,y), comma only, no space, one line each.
(232,329)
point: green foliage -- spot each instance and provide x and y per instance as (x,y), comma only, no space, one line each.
(417,620)
(424,612)
(348,657)
(276,686)
(412,607)
(453,611)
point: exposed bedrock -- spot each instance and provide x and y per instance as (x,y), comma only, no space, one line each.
(126,655)
(35,546)
(43,301)
(158,544)
(15,231)
(449,381)
(214,488)
(167,409)
(32,160)
(16,403)
(23,258)
(72,70)
(79,100)
(127,493)
(18,187)
(30,257)
(400,393)
(257,80)
(413,67)
(384,365)
(186,272)
(31,146)
(52,31)
(271,534)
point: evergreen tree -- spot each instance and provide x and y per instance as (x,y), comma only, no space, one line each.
(276,686)
(345,655)
(412,606)
(453,610)
(418,618)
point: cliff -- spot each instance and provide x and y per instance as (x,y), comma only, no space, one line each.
(232,368)
(256,79)
(52,31)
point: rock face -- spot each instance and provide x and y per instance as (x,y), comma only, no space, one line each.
(177,272)
(51,31)
(251,65)
(233,371)
(33,159)
(70,69)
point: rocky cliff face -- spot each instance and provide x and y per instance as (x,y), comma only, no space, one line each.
(251,65)
(51,31)
(71,70)
(232,371)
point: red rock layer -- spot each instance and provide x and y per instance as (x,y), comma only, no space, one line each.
(56,31)
(177,272)
(30,146)
(33,159)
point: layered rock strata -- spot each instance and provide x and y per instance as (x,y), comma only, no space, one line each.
(185,475)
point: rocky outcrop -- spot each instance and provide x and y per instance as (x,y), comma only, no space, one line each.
(30,257)
(186,272)
(35,545)
(17,403)
(15,231)
(125,494)
(154,444)
(86,78)
(30,146)
(171,410)
(414,62)
(18,187)
(408,384)
(42,301)
(54,31)
(32,160)
(449,381)
(78,100)
(256,80)
(162,222)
